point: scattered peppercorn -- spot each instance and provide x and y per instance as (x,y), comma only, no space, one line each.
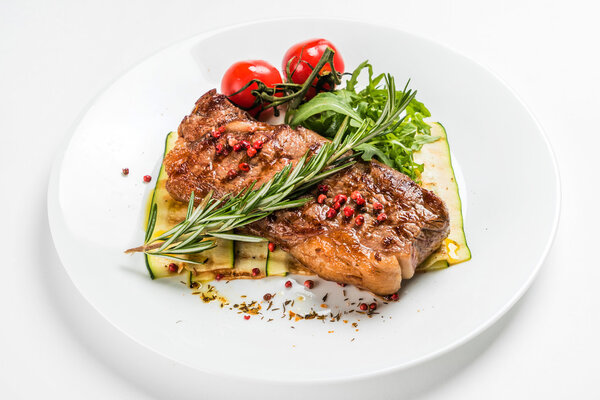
(258,144)
(271,246)
(173,267)
(245,143)
(309,284)
(218,277)
(216,134)
(323,188)
(359,220)
(355,195)
(255,271)
(341,284)
(246,317)
(321,199)
(331,213)
(244,167)
(221,129)
(348,211)
(360,201)
(377,206)
(237,147)
(288,284)
(267,296)
(363,306)
(251,151)
(125,171)
(395,297)
(147,178)
(219,148)
(336,206)
(381,217)
(373,306)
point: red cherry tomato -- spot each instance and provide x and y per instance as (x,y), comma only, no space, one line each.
(310,51)
(242,72)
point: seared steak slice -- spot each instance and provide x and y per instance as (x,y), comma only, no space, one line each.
(375,256)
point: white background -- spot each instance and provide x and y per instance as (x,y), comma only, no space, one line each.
(55,58)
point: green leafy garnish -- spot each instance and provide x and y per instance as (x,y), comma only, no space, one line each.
(326,111)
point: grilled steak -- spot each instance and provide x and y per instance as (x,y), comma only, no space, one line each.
(376,255)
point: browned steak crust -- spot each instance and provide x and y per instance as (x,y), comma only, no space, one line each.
(375,256)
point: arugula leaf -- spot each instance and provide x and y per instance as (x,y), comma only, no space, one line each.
(326,123)
(369,151)
(354,78)
(326,101)
(326,111)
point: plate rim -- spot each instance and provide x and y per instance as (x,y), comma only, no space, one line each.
(52,197)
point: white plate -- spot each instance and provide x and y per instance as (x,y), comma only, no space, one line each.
(511,192)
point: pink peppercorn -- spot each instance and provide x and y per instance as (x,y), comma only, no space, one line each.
(340,198)
(323,188)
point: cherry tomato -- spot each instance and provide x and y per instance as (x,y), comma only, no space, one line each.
(310,51)
(242,72)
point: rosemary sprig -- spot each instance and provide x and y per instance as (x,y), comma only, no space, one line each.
(217,218)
